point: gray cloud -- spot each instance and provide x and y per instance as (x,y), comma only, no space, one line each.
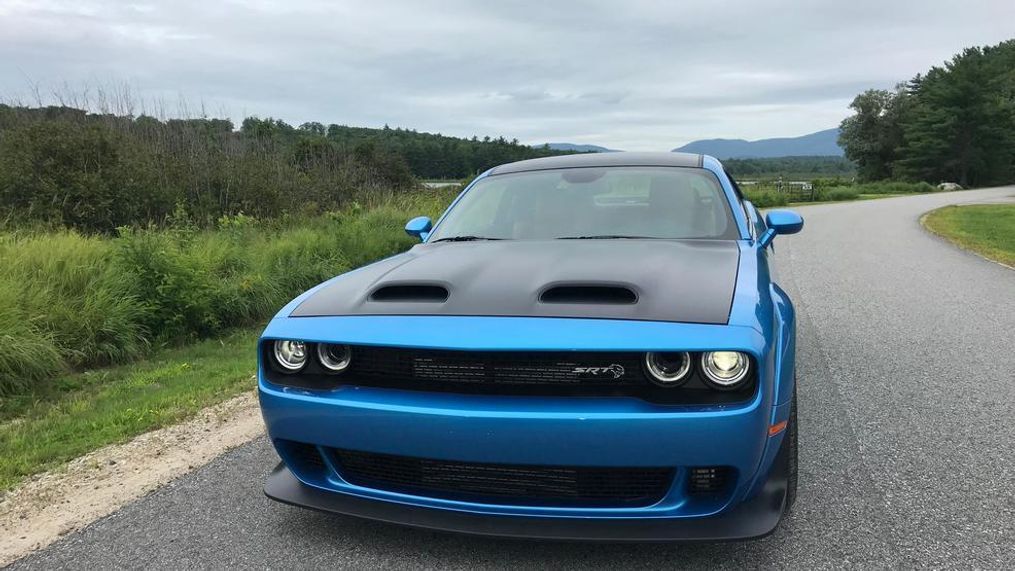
(634,75)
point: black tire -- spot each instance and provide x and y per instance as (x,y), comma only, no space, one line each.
(791,457)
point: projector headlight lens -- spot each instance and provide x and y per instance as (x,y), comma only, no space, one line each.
(290,355)
(668,369)
(334,358)
(725,369)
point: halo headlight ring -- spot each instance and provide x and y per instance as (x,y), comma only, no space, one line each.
(333,358)
(670,369)
(290,355)
(725,370)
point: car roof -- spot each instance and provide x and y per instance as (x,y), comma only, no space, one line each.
(612,159)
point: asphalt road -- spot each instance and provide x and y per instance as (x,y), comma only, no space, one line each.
(907,432)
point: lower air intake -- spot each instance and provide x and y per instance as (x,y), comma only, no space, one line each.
(506,483)
(708,479)
(305,457)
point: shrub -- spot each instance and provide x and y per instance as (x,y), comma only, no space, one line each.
(175,286)
(767,198)
(837,193)
(894,187)
(69,301)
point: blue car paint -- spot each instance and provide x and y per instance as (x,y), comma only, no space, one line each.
(555,430)
(589,431)
(419,227)
(784,221)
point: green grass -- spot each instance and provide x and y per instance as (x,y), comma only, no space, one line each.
(70,301)
(102,339)
(987,229)
(68,416)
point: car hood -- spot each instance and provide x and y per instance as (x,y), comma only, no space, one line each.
(690,281)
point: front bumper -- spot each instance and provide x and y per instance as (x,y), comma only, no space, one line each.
(621,432)
(752,519)
(550,431)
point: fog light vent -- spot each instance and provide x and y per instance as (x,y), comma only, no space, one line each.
(305,456)
(707,479)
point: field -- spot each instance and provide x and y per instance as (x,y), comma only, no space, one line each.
(987,229)
(765,194)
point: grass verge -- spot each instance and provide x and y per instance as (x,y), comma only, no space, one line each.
(987,229)
(76,311)
(70,302)
(68,416)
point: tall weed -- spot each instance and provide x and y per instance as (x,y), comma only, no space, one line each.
(69,301)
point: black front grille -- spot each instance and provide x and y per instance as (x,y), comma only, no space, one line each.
(505,368)
(524,373)
(505,483)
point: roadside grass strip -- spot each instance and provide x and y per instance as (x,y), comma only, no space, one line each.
(66,417)
(987,229)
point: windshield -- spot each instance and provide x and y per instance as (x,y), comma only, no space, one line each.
(614,202)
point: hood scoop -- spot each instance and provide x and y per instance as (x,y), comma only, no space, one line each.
(411,293)
(690,281)
(589,294)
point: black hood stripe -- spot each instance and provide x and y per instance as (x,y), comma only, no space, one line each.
(690,281)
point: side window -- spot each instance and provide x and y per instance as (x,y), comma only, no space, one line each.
(753,218)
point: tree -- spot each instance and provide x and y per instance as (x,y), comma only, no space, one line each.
(871,137)
(962,125)
(956,123)
(313,128)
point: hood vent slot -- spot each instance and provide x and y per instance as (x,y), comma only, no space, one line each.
(610,295)
(411,293)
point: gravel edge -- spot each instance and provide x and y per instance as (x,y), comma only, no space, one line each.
(61,501)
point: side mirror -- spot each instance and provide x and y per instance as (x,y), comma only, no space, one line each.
(780,222)
(419,227)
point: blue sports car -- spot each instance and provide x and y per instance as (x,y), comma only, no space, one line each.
(582,347)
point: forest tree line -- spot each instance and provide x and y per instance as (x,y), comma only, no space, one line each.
(956,123)
(63,166)
(791,167)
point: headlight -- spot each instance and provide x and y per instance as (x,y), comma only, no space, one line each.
(290,355)
(668,369)
(725,369)
(334,358)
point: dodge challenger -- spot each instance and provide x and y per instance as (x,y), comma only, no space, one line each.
(586,347)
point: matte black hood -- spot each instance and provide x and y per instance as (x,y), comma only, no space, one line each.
(671,280)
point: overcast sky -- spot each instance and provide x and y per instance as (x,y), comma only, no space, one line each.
(628,74)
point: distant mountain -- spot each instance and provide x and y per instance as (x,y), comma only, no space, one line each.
(577,148)
(820,144)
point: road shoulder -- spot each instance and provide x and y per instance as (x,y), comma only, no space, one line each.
(55,503)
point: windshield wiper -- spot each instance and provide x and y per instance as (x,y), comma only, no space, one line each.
(464,239)
(605,237)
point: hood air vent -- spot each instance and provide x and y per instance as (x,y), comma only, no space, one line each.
(617,295)
(411,293)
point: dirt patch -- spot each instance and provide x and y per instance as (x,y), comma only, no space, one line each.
(56,503)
